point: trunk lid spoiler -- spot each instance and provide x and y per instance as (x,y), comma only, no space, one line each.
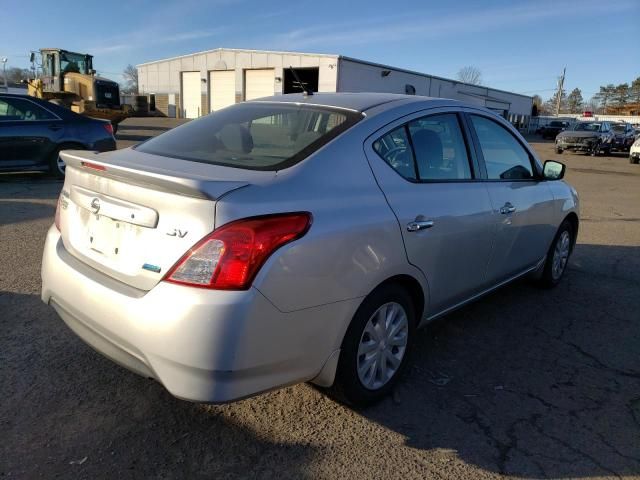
(132,169)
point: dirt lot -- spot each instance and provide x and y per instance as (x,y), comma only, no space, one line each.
(525,383)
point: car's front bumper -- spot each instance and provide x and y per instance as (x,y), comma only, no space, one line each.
(202,345)
(586,146)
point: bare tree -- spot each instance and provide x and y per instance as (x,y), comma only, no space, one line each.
(470,74)
(130,75)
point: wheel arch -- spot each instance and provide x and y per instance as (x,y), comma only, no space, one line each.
(413,287)
(573,219)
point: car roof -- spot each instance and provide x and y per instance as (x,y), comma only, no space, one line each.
(359,102)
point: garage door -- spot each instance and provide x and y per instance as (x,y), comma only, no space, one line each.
(222,89)
(191,96)
(258,83)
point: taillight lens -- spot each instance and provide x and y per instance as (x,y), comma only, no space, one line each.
(109,128)
(57,216)
(230,257)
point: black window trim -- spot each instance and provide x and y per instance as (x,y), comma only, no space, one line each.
(5,98)
(474,166)
(537,174)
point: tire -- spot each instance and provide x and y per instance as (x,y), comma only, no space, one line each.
(56,164)
(558,256)
(633,161)
(559,151)
(371,385)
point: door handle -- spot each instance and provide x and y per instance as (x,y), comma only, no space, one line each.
(417,225)
(55,128)
(507,208)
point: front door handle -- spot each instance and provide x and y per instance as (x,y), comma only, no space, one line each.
(507,208)
(417,225)
(55,128)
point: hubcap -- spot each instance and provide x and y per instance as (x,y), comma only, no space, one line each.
(382,345)
(561,255)
(60,163)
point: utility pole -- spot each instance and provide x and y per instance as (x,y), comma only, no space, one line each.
(4,72)
(559,92)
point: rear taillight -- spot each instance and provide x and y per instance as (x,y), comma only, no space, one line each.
(57,216)
(109,128)
(230,257)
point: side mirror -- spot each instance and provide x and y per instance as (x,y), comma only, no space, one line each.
(553,170)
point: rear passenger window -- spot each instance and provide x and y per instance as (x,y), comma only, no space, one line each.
(17,109)
(439,148)
(394,148)
(504,157)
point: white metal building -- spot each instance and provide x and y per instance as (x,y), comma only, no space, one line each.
(193,85)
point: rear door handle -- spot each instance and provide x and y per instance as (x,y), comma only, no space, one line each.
(417,225)
(507,208)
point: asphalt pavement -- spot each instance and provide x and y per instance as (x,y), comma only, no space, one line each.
(525,383)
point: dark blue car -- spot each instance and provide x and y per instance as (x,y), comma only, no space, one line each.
(34,131)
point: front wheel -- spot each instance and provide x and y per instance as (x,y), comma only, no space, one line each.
(374,350)
(558,256)
(559,151)
(633,160)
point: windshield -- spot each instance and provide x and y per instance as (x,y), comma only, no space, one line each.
(256,136)
(556,124)
(588,127)
(74,62)
(618,128)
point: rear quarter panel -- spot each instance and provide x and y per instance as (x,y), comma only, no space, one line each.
(354,243)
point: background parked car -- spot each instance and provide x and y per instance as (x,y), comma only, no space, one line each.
(33,132)
(553,129)
(588,137)
(623,136)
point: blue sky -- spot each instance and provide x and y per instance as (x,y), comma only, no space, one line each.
(519,46)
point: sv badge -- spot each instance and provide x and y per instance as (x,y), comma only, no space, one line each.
(178,233)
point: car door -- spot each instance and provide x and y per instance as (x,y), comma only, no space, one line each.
(429,178)
(522,203)
(28,133)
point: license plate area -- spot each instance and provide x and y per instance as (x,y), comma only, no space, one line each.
(112,239)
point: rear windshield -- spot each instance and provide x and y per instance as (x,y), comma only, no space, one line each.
(256,136)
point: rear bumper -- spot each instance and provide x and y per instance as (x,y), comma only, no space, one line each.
(202,345)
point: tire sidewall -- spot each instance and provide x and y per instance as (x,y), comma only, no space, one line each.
(352,390)
(547,276)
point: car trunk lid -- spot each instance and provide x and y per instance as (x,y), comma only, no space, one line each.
(132,215)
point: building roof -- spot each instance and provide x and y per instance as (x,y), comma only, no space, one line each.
(244,50)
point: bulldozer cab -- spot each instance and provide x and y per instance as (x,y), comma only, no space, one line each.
(56,63)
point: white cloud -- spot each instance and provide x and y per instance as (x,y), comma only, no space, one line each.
(420,25)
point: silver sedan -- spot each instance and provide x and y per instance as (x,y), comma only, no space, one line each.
(299,238)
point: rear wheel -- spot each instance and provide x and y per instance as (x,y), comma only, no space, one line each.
(374,350)
(559,151)
(558,256)
(57,166)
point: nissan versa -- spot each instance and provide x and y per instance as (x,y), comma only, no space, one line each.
(299,238)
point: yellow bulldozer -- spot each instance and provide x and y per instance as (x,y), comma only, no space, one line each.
(68,79)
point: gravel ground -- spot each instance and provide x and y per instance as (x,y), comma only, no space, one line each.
(524,383)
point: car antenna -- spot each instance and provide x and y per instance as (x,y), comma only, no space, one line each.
(305,91)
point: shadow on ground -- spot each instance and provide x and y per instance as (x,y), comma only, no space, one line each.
(528,382)
(142,127)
